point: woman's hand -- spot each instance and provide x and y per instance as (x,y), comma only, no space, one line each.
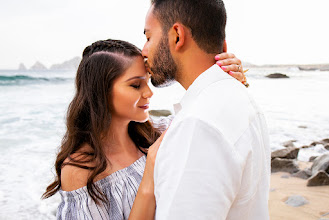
(150,162)
(144,204)
(232,65)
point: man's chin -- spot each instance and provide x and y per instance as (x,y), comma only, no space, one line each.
(161,83)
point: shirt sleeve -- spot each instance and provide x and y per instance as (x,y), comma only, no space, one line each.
(197,173)
(78,205)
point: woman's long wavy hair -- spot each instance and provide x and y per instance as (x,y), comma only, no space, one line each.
(89,113)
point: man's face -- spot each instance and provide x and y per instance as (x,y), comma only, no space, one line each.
(160,62)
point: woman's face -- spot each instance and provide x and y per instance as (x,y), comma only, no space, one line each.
(131,93)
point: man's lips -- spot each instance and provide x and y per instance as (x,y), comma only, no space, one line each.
(147,66)
(146,106)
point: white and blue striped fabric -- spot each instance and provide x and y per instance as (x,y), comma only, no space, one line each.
(120,188)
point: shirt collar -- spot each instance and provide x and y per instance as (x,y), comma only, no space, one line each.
(211,75)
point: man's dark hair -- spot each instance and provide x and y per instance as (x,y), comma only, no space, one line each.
(206,20)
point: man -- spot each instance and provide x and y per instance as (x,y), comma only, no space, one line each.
(214,161)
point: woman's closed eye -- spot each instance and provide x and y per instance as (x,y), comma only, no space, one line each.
(136,85)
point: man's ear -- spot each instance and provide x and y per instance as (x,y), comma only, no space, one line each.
(224,46)
(177,36)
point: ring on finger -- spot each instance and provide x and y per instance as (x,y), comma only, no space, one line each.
(239,68)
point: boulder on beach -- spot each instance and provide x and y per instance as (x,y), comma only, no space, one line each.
(288,153)
(303,174)
(277,76)
(284,165)
(319,179)
(289,143)
(159,113)
(325,141)
(312,158)
(296,201)
(320,164)
(326,146)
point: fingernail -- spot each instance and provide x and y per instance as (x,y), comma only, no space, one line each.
(231,73)
(217,57)
(219,63)
(223,67)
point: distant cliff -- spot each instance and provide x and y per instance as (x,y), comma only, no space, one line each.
(38,66)
(22,67)
(71,64)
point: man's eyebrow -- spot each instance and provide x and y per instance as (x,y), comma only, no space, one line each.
(136,77)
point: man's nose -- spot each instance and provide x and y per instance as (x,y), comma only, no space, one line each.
(145,51)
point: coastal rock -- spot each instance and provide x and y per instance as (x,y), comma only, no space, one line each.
(303,174)
(159,113)
(326,141)
(305,146)
(320,164)
(288,153)
(312,158)
(277,76)
(71,64)
(319,179)
(38,66)
(289,143)
(326,146)
(302,126)
(315,143)
(284,165)
(296,201)
(22,67)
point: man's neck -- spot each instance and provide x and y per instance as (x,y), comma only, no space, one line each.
(192,66)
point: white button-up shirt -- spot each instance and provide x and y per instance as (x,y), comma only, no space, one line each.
(214,161)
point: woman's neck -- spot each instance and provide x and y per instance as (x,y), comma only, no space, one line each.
(117,140)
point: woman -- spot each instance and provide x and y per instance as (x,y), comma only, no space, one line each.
(102,159)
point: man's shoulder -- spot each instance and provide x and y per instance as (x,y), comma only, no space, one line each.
(225,105)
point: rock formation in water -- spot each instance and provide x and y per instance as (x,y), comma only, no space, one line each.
(38,66)
(71,64)
(22,67)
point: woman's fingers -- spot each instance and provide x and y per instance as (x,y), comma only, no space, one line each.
(223,56)
(228,62)
(233,68)
(153,149)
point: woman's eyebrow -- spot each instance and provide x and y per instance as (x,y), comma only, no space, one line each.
(136,77)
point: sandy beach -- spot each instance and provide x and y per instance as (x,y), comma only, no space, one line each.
(283,186)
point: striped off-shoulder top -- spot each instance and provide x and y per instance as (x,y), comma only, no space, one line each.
(120,188)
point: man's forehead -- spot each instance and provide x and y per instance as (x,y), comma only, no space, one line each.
(150,20)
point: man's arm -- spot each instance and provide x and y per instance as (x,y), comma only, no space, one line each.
(197,173)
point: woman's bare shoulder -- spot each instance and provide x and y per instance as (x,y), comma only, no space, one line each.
(74,177)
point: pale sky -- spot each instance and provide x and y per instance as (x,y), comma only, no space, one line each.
(258,31)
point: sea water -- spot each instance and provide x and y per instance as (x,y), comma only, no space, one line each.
(32,122)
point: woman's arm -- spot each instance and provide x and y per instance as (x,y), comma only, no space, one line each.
(144,204)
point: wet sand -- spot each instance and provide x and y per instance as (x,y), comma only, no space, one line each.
(283,187)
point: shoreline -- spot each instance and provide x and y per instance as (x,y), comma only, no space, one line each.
(283,185)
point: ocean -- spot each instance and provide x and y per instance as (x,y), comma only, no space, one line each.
(32,122)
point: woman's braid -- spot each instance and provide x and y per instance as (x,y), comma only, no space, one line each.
(115,46)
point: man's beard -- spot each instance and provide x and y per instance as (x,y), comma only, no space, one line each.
(164,68)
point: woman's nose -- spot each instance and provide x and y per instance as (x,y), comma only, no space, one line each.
(147,93)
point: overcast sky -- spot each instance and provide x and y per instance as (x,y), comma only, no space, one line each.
(258,31)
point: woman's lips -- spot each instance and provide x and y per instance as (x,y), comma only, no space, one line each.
(146,106)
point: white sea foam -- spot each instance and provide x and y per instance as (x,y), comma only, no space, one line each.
(32,124)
